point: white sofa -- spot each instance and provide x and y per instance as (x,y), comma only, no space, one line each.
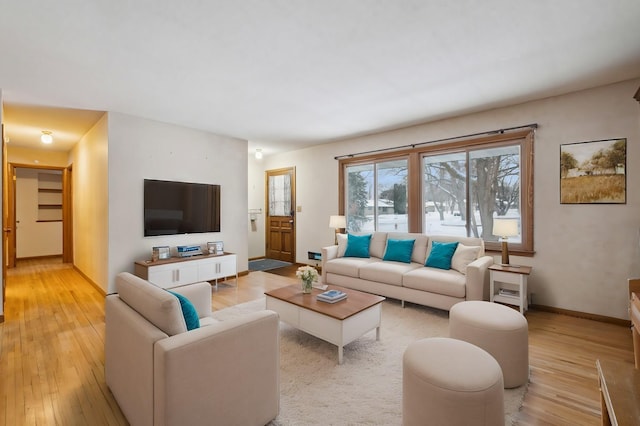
(161,374)
(413,282)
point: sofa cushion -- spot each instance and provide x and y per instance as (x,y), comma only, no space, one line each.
(188,311)
(386,272)
(378,244)
(441,255)
(440,281)
(463,256)
(342,244)
(399,250)
(358,245)
(347,266)
(419,253)
(467,241)
(155,304)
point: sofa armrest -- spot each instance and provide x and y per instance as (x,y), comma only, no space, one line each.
(478,278)
(328,253)
(199,294)
(228,371)
(128,359)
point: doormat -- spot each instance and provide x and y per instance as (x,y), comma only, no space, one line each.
(266,264)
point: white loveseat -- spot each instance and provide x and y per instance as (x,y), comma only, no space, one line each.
(225,372)
(413,282)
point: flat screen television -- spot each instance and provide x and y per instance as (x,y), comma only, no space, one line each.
(180,208)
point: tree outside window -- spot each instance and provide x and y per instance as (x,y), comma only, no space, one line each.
(376,198)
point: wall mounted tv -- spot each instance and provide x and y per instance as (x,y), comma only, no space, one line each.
(180,208)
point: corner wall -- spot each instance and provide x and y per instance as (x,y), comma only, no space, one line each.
(139,149)
(90,203)
(584,253)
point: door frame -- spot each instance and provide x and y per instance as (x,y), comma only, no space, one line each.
(67,210)
(267,228)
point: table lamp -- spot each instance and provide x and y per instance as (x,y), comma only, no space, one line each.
(337,222)
(505,228)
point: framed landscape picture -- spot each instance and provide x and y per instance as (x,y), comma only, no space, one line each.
(594,172)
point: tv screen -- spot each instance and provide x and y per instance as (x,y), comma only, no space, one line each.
(180,208)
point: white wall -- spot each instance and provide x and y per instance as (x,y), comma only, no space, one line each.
(89,159)
(33,238)
(37,157)
(140,149)
(255,194)
(584,253)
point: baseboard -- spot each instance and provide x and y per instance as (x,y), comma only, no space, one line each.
(95,285)
(256,258)
(49,256)
(584,315)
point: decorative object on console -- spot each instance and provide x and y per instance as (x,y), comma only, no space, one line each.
(215,247)
(308,275)
(337,222)
(505,228)
(160,252)
(187,251)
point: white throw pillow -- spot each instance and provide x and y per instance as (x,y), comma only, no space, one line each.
(463,256)
(342,244)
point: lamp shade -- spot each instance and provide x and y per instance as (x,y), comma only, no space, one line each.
(505,227)
(337,222)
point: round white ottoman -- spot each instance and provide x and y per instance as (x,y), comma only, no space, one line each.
(499,330)
(450,382)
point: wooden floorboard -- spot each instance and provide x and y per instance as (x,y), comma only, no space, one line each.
(52,351)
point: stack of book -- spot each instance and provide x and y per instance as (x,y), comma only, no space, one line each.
(509,293)
(332,296)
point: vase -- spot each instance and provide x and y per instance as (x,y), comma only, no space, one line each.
(307,285)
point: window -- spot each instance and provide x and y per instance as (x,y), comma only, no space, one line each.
(491,181)
(463,187)
(376,196)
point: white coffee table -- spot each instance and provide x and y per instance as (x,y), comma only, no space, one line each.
(338,323)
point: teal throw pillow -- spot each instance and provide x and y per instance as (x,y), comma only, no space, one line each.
(188,311)
(399,250)
(357,245)
(441,255)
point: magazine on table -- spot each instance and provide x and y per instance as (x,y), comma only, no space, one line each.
(332,296)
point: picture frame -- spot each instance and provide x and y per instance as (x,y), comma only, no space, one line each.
(594,172)
(215,247)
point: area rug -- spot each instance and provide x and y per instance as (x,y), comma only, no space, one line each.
(367,388)
(266,264)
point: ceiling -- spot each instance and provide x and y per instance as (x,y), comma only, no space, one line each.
(285,74)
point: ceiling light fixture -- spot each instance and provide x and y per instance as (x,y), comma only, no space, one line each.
(46,137)
(258,154)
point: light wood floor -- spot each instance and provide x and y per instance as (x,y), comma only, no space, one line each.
(52,356)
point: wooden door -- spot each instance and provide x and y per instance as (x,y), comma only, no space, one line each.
(67,215)
(5,220)
(280,217)
(10,217)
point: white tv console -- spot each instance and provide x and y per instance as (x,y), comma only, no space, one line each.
(177,271)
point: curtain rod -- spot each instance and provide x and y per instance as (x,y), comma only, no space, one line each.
(413,145)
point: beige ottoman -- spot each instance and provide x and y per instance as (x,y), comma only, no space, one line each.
(450,382)
(499,330)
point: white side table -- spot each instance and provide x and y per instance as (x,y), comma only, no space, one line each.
(508,284)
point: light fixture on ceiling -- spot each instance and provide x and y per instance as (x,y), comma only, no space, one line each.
(46,137)
(258,154)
